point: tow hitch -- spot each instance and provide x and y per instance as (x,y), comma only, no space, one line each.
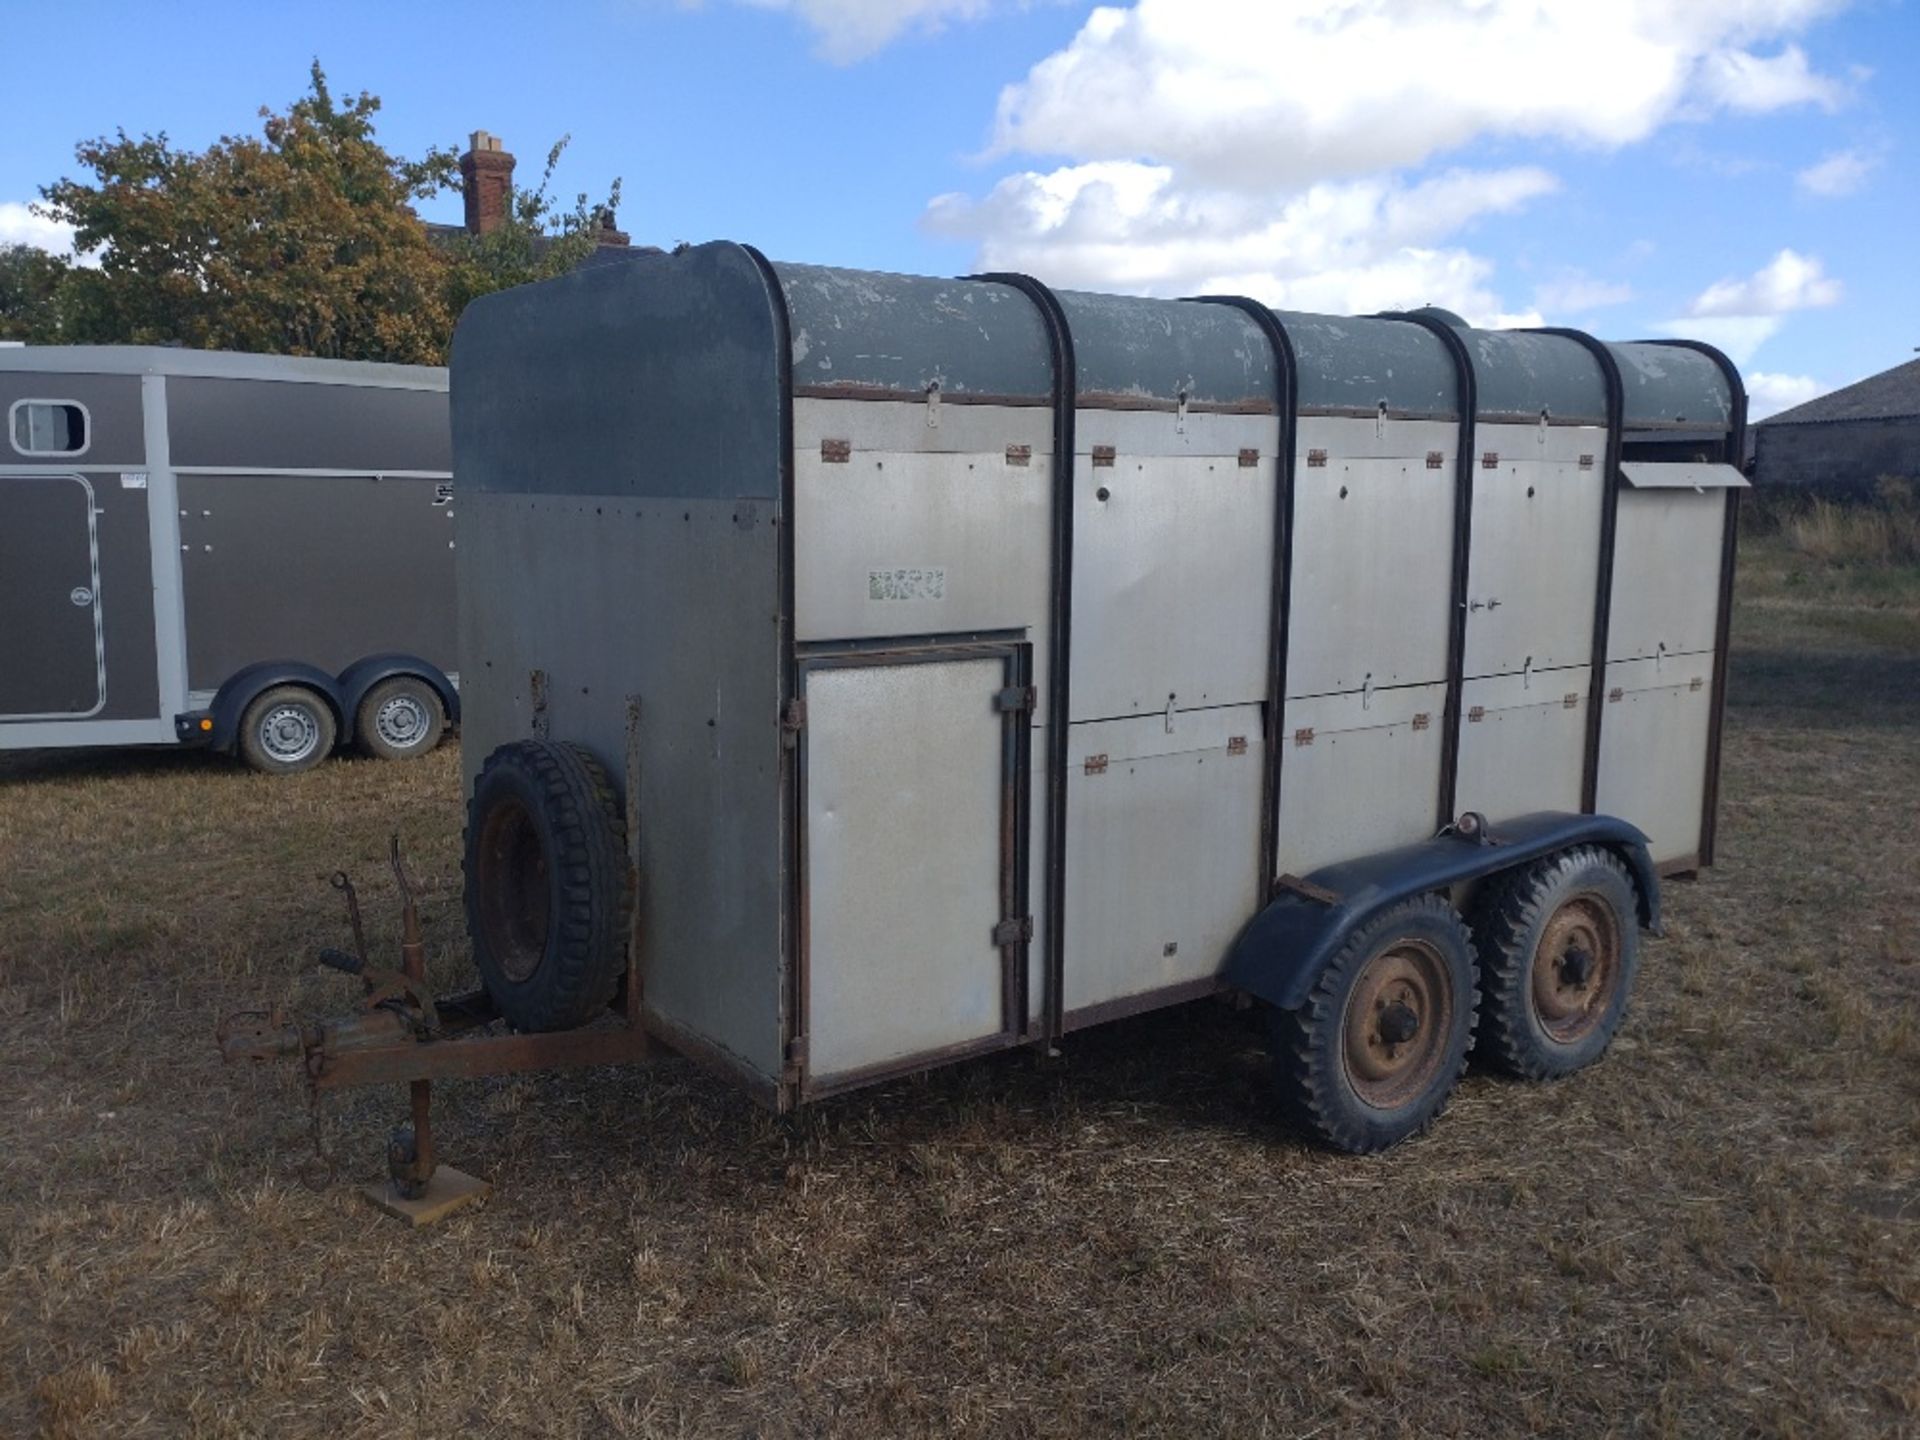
(401,1032)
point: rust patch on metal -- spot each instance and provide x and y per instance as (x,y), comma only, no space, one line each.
(1303,736)
(1436,459)
(836,452)
(1236,745)
(1249,458)
(1020,455)
(1477,714)
(1422,720)
(1307,888)
(1316,459)
(1103,457)
(1096,765)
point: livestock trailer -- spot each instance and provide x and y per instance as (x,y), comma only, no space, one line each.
(248,552)
(865,672)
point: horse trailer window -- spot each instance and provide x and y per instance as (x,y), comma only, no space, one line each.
(49,427)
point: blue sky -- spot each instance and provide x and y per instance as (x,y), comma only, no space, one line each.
(1742,170)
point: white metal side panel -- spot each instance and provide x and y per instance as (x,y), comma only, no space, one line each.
(1666,573)
(922,529)
(1534,566)
(1653,749)
(1163,849)
(1372,551)
(903,855)
(1358,773)
(1523,743)
(1172,562)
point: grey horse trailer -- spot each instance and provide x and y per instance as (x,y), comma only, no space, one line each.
(867,672)
(248,552)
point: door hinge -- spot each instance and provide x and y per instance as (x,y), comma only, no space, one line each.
(1016,931)
(796,1058)
(793,718)
(1015,698)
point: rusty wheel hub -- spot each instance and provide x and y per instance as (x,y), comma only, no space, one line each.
(1399,1017)
(1576,968)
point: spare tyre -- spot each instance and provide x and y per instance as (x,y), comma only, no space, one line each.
(547,887)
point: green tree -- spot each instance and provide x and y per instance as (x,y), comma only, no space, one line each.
(30,281)
(302,240)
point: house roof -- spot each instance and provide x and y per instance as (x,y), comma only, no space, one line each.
(1889,395)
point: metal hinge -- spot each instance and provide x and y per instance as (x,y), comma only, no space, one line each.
(793,718)
(1016,931)
(1249,458)
(836,452)
(796,1058)
(1490,460)
(1016,698)
(1303,736)
(1104,456)
(1095,765)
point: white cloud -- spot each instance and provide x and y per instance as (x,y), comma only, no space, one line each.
(1578,294)
(1369,244)
(851,30)
(1841,173)
(1790,281)
(1768,394)
(1264,146)
(20,226)
(1288,91)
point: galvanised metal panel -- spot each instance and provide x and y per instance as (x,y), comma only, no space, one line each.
(1360,773)
(1133,352)
(1523,742)
(1173,561)
(1520,374)
(322,569)
(904,801)
(669,601)
(1653,750)
(1354,366)
(271,425)
(53,662)
(1666,572)
(1667,475)
(1534,566)
(1163,849)
(897,541)
(1372,580)
(112,402)
(1670,386)
(856,331)
(659,376)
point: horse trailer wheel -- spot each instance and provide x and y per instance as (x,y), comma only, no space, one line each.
(1372,1055)
(400,718)
(286,730)
(1559,942)
(546,884)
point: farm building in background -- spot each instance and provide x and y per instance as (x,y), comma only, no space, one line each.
(1844,442)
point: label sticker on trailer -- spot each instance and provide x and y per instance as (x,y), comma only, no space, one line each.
(917,582)
(133,479)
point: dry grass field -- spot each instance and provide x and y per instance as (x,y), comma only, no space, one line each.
(1716,1232)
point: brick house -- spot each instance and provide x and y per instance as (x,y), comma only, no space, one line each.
(1844,442)
(486,175)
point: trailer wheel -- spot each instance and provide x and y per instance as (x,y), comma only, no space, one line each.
(546,884)
(1372,1055)
(399,719)
(286,730)
(1561,942)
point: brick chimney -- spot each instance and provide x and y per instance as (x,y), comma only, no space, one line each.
(606,231)
(486,176)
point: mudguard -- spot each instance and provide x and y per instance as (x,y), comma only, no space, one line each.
(361,676)
(245,685)
(1281,953)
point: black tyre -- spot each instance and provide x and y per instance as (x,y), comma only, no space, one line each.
(546,884)
(286,730)
(1377,1048)
(1559,944)
(399,719)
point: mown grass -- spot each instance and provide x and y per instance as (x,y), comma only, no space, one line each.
(1716,1232)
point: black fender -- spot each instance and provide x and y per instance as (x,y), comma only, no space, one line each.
(245,685)
(361,676)
(1281,953)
